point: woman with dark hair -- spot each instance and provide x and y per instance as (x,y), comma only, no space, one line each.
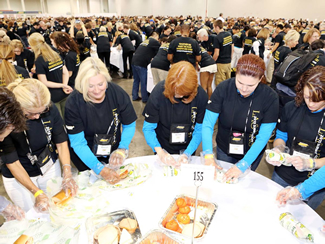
(69,51)
(301,129)
(249,40)
(248,111)
(174,114)
(11,120)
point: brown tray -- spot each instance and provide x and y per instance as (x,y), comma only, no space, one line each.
(96,222)
(158,236)
(208,208)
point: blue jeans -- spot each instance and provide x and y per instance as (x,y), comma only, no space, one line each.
(139,77)
(313,201)
(221,155)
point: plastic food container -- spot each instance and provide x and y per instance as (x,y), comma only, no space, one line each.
(204,215)
(114,218)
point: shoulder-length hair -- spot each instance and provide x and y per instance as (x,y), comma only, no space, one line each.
(10,112)
(309,34)
(314,80)
(89,68)
(41,48)
(181,80)
(8,73)
(31,93)
(263,33)
(251,65)
(64,42)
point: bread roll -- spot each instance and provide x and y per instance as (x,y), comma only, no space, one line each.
(124,174)
(60,198)
(129,224)
(109,234)
(24,239)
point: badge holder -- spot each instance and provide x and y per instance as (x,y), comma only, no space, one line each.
(236,143)
(102,144)
(303,148)
(179,133)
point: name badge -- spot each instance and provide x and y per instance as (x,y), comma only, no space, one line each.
(303,148)
(47,166)
(179,133)
(178,137)
(236,143)
(103,150)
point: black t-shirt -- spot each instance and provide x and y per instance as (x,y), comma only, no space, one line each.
(280,54)
(22,31)
(302,34)
(15,146)
(53,72)
(72,62)
(160,61)
(233,109)
(147,29)
(279,38)
(208,45)
(291,119)
(125,42)
(248,42)
(184,49)
(92,36)
(161,111)
(25,59)
(206,59)
(223,42)
(103,42)
(238,39)
(145,52)
(21,73)
(95,118)
(84,49)
(135,36)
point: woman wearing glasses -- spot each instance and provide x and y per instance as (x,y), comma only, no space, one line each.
(29,157)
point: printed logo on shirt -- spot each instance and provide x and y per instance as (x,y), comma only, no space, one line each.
(248,42)
(209,101)
(146,115)
(55,65)
(69,127)
(193,120)
(145,43)
(116,122)
(227,40)
(254,127)
(78,60)
(184,48)
(319,142)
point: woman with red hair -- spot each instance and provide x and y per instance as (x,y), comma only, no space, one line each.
(248,111)
(174,114)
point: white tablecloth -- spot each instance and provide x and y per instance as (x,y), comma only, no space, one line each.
(247,211)
(116,59)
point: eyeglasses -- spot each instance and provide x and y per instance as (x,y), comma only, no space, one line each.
(34,114)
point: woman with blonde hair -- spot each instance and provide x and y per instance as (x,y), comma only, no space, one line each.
(51,70)
(174,114)
(8,71)
(94,114)
(312,35)
(32,157)
(4,39)
(24,57)
(258,46)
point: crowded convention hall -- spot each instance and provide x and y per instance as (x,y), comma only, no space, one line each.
(161,122)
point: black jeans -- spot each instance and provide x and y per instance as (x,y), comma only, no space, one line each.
(125,56)
(105,57)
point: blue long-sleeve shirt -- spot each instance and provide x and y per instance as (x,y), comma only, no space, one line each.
(262,138)
(79,145)
(312,184)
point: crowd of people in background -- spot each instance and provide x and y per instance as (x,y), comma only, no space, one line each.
(49,66)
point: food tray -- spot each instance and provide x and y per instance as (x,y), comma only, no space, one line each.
(204,215)
(96,222)
(158,236)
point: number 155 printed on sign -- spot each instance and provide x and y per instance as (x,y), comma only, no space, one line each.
(193,174)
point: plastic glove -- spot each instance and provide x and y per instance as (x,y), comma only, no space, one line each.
(118,157)
(167,159)
(302,164)
(287,194)
(42,203)
(12,212)
(68,183)
(110,175)
(208,158)
(183,159)
(276,156)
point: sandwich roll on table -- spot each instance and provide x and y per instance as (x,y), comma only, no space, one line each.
(24,239)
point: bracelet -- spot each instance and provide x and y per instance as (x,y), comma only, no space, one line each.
(119,152)
(312,163)
(66,165)
(38,193)
(208,156)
